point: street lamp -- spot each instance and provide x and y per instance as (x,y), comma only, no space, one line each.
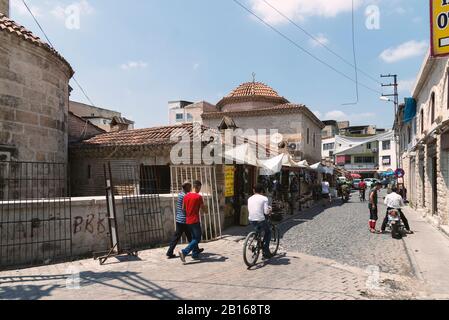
(383,98)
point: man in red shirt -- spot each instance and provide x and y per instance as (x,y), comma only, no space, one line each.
(193,203)
(362,187)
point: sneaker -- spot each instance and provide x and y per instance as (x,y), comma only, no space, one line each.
(201,250)
(171,256)
(196,258)
(182,256)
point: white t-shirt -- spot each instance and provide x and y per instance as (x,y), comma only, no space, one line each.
(325,187)
(394,200)
(257,207)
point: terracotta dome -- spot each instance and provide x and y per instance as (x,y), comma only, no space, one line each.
(252,91)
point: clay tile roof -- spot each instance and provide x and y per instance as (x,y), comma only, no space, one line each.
(142,137)
(252,90)
(8,25)
(121,120)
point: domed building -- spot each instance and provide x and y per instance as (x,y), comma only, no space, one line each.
(255,106)
(34,95)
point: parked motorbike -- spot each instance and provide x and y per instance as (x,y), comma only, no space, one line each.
(396,225)
(345,195)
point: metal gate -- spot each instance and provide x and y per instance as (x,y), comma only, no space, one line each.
(210,221)
(138,189)
(35,214)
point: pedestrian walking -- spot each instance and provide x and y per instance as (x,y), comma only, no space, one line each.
(325,192)
(373,209)
(193,203)
(181,225)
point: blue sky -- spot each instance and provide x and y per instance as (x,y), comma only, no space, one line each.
(135,56)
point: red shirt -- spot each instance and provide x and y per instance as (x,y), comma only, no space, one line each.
(192,204)
(362,185)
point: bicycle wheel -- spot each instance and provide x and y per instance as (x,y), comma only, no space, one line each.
(251,249)
(275,239)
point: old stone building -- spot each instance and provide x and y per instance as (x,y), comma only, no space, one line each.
(34,95)
(424,131)
(256,106)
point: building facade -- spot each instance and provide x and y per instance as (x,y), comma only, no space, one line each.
(254,106)
(370,156)
(424,134)
(34,95)
(106,119)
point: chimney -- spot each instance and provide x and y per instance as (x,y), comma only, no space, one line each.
(4,7)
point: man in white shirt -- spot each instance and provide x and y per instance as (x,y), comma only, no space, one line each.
(395,201)
(325,192)
(258,208)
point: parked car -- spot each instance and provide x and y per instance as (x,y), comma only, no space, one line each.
(355,183)
(370,182)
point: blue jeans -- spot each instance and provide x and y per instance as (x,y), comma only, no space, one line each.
(195,230)
(260,226)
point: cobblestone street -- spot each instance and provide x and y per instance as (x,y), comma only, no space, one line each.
(324,255)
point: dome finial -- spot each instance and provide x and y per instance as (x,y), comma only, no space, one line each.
(254,77)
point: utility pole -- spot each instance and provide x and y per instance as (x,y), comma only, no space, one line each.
(395,96)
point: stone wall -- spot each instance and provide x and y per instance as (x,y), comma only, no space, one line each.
(4,7)
(34,96)
(292,126)
(88,227)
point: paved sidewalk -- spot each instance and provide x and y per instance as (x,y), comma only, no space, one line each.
(428,249)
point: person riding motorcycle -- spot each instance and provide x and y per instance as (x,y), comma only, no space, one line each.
(345,190)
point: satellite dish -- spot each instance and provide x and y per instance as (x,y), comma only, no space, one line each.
(292,146)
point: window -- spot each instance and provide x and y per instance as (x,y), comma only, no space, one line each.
(368,146)
(347,159)
(363,159)
(421,119)
(386,145)
(386,160)
(314,140)
(308,136)
(331,153)
(409,133)
(179,117)
(328,146)
(432,107)
(189,117)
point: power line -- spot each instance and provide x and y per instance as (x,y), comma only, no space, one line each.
(355,60)
(303,49)
(321,42)
(53,47)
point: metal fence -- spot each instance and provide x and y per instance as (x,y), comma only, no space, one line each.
(35,213)
(210,220)
(141,206)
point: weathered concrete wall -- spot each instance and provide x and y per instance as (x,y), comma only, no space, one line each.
(34,96)
(88,228)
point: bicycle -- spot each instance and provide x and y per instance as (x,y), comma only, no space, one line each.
(254,244)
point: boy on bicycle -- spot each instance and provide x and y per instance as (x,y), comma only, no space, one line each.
(258,208)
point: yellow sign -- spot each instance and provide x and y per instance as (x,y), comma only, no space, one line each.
(229,181)
(439,10)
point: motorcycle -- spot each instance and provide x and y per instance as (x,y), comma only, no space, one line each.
(396,225)
(345,195)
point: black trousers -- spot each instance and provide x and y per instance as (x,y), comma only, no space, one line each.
(181,229)
(403,218)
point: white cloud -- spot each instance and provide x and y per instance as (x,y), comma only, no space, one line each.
(406,86)
(196,66)
(134,65)
(404,51)
(84,8)
(301,9)
(342,116)
(19,8)
(320,39)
